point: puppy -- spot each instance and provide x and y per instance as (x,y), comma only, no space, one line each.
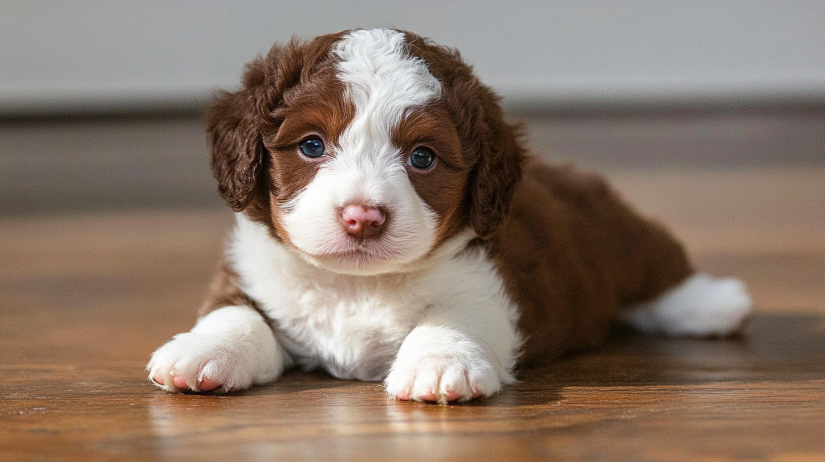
(390,227)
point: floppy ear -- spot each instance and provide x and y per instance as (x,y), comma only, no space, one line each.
(498,168)
(238,121)
(490,144)
(233,129)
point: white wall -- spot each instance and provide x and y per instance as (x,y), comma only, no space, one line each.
(80,55)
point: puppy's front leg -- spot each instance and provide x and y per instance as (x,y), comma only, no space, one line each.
(455,355)
(230,348)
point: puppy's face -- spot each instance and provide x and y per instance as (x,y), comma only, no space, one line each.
(363,150)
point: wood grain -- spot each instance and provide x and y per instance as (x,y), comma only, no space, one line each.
(86,298)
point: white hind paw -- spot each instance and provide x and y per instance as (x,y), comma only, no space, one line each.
(701,305)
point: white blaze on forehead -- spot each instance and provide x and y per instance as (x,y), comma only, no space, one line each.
(384,82)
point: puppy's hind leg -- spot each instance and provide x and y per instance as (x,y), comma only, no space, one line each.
(701,305)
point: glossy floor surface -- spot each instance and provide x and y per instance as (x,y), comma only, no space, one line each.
(87,297)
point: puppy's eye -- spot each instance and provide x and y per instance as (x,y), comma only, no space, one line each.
(312,147)
(422,159)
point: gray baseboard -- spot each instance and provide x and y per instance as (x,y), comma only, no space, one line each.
(159,159)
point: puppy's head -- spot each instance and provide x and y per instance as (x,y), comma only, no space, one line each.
(365,150)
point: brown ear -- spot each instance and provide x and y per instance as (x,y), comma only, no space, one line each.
(498,168)
(489,143)
(233,129)
(238,121)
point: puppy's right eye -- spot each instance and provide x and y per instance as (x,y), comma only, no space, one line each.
(422,158)
(312,147)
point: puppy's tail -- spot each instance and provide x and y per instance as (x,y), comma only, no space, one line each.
(701,305)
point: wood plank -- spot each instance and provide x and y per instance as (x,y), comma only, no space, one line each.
(86,298)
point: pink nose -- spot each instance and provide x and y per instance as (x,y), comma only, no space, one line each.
(362,221)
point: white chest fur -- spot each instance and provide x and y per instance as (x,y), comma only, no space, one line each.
(353,326)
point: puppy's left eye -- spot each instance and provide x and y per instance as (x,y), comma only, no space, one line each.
(312,147)
(422,158)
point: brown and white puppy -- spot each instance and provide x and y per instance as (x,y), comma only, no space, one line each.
(390,227)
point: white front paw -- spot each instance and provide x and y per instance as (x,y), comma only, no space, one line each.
(231,348)
(438,369)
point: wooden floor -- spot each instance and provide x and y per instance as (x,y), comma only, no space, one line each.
(84,299)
